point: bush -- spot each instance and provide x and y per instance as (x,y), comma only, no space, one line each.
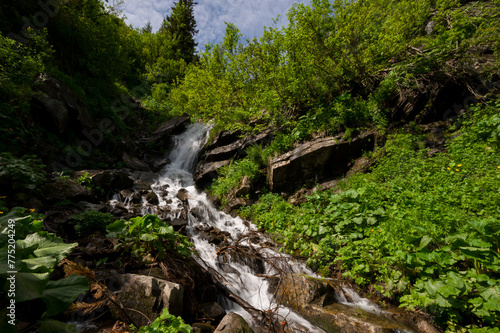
(90,222)
(21,173)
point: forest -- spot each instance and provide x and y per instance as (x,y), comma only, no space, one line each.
(417,226)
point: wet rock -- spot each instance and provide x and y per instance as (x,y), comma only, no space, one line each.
(178,223)
(236,203)
(156,161)
(161,137)
(152,198)
(202,327)
(206,172)
(119,209)
(314,299)
(134,163)
(148,295)
(62,189)
(425,327)
(109,180)
(85,206)
(244,188)
(233,323)
(182,195)
(320,158)
(251,260)
(214,235)
(211,310)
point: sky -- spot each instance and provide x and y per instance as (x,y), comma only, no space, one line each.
(250,16)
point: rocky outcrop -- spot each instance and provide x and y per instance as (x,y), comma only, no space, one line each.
(226,147)
(59,109)
(322,158)
(211,310)
(161,137)
(233,323)
(206,172)
(62,189)
(134,163)
(315,300)
(109,180)
(147,295)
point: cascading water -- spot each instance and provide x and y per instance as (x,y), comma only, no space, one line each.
(239,278)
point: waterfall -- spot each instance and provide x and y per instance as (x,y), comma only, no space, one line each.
(239,278)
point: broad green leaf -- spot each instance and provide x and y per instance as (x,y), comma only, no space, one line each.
(4,261)
(493,304)
(490,293)
(148,237)
(55,326)
(43,263)
(116,227)
(49,245)
(424,242)
(30,286)
(59,295)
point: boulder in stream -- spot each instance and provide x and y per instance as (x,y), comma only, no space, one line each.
(233,323)
(315,300)
(147,295)
(62,189)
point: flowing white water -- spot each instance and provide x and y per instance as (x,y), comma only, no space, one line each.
(239,278)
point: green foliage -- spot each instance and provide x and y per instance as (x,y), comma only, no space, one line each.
(180,27)
(21,173)
(422,229)
(90,222)
(85,180)
(337,64)
(34,254)
(149,237)
(232,174)
(165,323)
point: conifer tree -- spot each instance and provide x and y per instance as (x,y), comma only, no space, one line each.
(180,26)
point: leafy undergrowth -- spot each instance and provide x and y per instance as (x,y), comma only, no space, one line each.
(28,256)
(423,229)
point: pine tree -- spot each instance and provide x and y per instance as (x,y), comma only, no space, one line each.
(180,26)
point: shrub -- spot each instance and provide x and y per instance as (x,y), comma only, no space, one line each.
(90,222)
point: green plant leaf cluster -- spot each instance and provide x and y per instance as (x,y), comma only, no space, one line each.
(166,323)
(337,64)
(36,255)
(149,237)
(21,173)
(91,221)
(232,174)
(421,228)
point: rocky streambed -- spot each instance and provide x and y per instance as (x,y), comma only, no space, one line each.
(237,281)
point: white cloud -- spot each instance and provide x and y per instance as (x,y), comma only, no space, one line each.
(250,16)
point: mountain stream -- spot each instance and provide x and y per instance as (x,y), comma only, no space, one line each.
(241,277)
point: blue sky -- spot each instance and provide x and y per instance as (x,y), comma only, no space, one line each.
(250,16)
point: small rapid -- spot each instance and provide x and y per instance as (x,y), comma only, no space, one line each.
(179,198)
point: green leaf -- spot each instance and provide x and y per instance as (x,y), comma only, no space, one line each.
(116,227)
(30,286)
(55,326)
(424,241)
(148,237)
(59,295)
(44,264)
(49,245)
